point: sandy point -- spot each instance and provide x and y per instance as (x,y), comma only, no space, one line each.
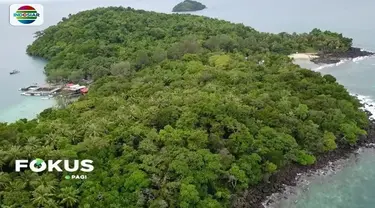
(304,56)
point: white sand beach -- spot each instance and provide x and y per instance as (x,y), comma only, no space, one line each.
(304,60)
(303,56)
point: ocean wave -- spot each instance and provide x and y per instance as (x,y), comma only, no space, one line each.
(359,58)
(363,49)
(362,58)
(355,60)
(330,65)
(368,104)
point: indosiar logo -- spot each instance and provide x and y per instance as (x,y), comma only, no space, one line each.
(39,165)
(26,15)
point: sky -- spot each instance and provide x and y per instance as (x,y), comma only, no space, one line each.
(28,1)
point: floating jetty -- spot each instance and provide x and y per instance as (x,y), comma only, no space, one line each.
(31,87)
(49,91)
(40,90)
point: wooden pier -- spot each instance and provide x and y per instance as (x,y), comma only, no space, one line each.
(53,90)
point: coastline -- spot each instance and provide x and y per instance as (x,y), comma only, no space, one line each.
(283,184)
(295,196)
(332,58)
(265,194)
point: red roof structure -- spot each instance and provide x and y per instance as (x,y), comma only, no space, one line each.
(84,90)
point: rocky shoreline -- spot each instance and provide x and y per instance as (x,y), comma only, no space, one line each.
(288,176)
(333,58)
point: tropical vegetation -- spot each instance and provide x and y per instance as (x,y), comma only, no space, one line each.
(184,111)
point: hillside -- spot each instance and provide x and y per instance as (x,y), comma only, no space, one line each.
(145,38)
(176,117)
(188,6)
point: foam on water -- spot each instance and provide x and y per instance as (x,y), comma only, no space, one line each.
(356,60)
(330,65)
(343,61)
(368,104)
(365,49)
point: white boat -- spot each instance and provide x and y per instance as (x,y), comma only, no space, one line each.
(29,88)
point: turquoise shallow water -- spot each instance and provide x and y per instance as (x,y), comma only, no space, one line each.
(352,187)
(13,42)
(28,108)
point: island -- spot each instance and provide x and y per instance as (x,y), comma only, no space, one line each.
(179,114)
(188,6)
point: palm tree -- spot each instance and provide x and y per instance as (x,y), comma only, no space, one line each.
(4,179)
(43,151)
(94,143)
(68,196)
(64,129)
(13,154)
(16,185)
(2,162)
(46,183)
(28,176)
(15,193)
(51,139)
(73,135)
(43,198)
(93,130)
(33,142)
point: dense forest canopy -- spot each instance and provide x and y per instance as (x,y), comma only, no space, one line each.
(86,44)
(177,116)
(188,5)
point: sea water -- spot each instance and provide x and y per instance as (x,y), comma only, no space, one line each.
(349,185)
(352,187)
(13,42)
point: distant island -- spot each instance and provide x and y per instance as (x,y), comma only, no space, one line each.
(188,6)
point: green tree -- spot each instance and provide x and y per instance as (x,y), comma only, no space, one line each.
(68,196)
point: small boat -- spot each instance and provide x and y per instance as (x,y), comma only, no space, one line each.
(31,87)
(14,72)
(25,94)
